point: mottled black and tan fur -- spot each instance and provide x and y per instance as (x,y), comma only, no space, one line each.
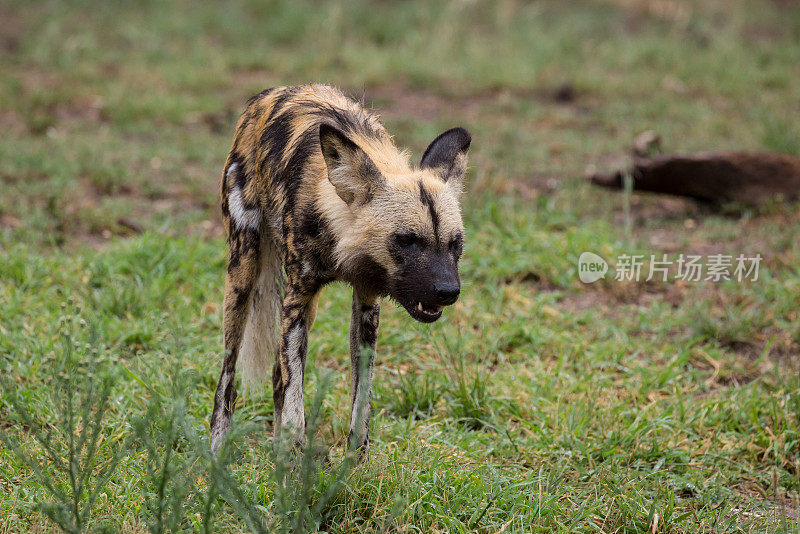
(314,191)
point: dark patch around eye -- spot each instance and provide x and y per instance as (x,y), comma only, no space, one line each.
(457,244)
(407,240)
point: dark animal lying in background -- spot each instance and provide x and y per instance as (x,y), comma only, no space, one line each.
(749,178)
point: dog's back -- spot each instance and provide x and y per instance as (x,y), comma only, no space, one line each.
(275,159)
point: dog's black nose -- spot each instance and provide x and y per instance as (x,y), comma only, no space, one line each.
(446,292)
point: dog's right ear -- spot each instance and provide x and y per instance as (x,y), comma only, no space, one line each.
(351,171)
(447,156)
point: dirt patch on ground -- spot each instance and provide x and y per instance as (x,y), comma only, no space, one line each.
(87,108)
(761,502)
(50,102)
(582,301)
(12,123)
(11,30)
(786,3)
(399,100)
(83,214)
(731,321)
(620,299)
(527,187)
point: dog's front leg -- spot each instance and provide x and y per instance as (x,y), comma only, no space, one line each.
(363,336)
(288,394)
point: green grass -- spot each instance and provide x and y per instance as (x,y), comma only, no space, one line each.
(537,403)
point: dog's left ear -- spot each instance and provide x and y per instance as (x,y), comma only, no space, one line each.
(447,156)
(350,169)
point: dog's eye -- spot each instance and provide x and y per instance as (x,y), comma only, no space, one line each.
(456,245)
(407,240)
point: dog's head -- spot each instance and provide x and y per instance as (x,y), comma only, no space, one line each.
(404,235)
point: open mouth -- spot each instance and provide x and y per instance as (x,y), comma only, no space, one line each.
(424,313)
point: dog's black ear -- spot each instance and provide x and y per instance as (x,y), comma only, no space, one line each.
(350,169)
(447,155)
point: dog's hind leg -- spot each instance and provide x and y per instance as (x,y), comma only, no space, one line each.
(243,271)
(246,238)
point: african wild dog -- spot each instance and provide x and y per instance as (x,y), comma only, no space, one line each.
(314,187)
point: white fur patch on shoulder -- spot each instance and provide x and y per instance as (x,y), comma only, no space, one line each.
(243,218)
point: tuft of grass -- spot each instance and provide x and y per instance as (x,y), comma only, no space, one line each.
(305,481)
(468,402)
(76,454)
(184,485)
(735,323)
(412,395)
(467,394)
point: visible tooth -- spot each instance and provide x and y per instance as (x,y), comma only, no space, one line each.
(419,306)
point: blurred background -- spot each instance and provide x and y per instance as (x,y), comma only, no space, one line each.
(125,110)
(537,398)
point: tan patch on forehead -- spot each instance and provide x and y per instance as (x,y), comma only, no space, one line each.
(449,212)
(433,208)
